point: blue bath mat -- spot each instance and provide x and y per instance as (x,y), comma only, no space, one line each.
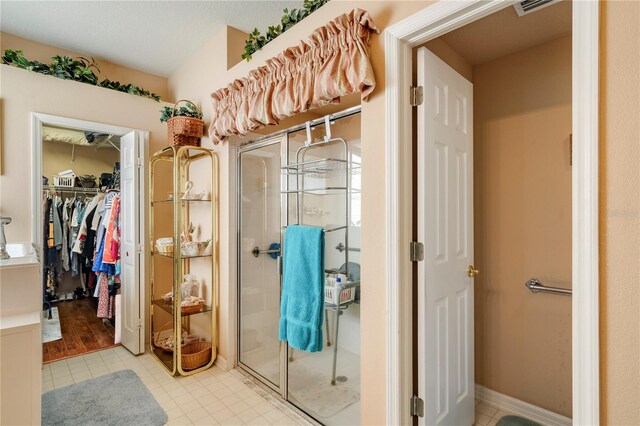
(516,421)
(118,398)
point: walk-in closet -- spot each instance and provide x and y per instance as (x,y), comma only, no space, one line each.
(81,207)
(307,175)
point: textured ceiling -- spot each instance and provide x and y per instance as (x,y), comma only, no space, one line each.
(504,32)
(151,36)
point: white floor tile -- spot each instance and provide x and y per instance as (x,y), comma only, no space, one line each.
(212,397)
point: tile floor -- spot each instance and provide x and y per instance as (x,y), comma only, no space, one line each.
(213,397)
(487,414)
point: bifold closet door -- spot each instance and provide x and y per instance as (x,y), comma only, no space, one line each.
(258,257)
(131,196)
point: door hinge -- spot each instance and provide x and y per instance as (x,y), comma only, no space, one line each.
(139,323)
(416,95)
(416,251)
(139,162)
(139,248)
(417,406)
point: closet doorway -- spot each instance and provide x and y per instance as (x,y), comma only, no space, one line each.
(88,225)
(306,175)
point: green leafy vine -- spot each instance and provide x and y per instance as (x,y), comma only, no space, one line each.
(67,68)
(257,41)
(188,110)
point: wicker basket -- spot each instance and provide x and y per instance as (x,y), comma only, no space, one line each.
(195,355)
(185,130)
(192,309)
(166,331)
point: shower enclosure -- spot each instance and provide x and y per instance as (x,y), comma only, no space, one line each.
(305,175)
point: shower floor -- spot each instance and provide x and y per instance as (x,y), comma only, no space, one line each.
(310,386)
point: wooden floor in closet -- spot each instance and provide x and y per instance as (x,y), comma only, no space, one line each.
(82,331)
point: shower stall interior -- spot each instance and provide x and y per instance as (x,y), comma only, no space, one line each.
(310,175)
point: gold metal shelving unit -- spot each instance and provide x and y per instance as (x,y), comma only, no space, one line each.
(167,270)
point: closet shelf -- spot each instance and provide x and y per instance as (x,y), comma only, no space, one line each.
(168,307)
(67,189)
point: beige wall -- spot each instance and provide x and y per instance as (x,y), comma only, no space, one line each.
(522,205)
(620,212)
(442,50)
(56,157)
(24,92)
(43,53)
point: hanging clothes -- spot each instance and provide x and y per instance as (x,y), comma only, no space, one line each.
(106,260)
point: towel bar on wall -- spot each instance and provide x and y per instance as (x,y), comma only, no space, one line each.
(536,286)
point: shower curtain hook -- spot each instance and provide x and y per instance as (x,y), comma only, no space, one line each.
(308,141)
(327,128)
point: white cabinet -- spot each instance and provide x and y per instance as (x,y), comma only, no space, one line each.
(20,369)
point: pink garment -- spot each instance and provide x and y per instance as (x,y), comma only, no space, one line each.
(106,303)
(112,239)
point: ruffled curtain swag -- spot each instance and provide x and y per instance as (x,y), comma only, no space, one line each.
(333,62)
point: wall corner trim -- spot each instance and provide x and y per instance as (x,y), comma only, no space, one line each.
(221,363)
(521,408)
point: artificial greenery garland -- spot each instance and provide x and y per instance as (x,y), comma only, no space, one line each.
(257,41)
(67,68)
(188,110)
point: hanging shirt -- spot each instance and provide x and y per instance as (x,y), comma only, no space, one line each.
(84,226)
(112,239)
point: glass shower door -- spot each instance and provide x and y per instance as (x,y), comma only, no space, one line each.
(258,251)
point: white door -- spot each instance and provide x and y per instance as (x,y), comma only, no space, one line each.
(445,227)
(131,225)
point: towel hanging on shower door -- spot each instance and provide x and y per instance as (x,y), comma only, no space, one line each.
(302,304)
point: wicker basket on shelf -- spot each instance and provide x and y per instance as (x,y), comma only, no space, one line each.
(195,355)
(192,309)
(165,335)
(185,130)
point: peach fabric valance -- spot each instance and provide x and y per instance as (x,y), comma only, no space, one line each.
(333,62)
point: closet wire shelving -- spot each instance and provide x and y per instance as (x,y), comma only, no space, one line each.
(320,169)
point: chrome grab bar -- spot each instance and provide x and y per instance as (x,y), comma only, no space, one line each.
(257,252)
(536,286)
(340,247)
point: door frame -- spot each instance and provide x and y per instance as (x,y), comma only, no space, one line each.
(37,121)
(400,38)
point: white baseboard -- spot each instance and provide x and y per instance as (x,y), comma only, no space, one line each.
(221,363)
(521,408)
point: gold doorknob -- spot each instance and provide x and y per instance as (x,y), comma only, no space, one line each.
(472,272)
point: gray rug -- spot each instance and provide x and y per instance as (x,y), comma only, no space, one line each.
(516,421)
(118,398)
(51,327)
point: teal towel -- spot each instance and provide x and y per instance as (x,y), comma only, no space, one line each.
(302,304)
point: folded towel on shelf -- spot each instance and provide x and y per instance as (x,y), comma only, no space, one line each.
(302,304)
